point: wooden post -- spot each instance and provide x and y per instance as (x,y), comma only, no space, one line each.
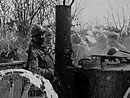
(63,47)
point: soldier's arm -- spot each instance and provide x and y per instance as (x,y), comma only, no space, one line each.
(34,62)
(47,73)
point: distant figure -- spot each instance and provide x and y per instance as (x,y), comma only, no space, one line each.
(100,47)
(22,54)
(4,58)
(127,43)
(9,56)
(90,40)
(79,48)
(75,38)
(48,36)
(3,53)
(113,42)
(14,55)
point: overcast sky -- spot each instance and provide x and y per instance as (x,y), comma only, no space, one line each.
(97,10)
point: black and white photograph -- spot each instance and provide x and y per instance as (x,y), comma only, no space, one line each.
(64,48)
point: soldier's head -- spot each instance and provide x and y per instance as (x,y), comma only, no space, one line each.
(113,36)
(113,39)
(48,36)
(37,31)
(75,38)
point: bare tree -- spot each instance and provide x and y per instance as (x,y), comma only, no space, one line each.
(21,14)
(119,21)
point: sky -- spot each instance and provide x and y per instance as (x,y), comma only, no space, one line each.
(97,11)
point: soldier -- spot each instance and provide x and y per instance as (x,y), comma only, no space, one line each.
(79,48)
(113,42)
(48,36)
(40,58)
(127,43)
(100,47)
(43,64)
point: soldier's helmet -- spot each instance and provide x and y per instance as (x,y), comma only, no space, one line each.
(37,30)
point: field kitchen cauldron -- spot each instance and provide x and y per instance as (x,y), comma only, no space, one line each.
(102,77)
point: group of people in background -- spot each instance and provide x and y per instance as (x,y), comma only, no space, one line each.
(104,41)
(41,43)
(82,46)
(40,56)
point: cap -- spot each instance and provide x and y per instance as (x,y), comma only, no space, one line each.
(37,29)
(113,35)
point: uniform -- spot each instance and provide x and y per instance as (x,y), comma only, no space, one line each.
(113,42)
(41,59)
(79,48)
(100,47)
(43,64)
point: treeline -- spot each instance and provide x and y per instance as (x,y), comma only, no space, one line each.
(17,16)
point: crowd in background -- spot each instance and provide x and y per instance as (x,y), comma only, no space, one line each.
(83,46)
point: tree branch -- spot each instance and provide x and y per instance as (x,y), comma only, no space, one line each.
(114,20)
(31,18)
